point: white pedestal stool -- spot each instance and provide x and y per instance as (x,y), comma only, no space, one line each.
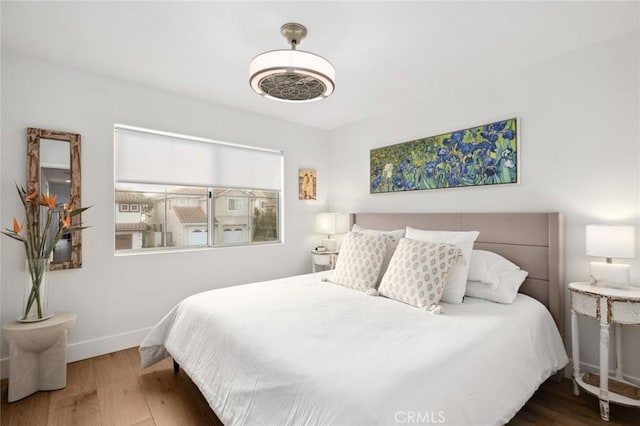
(37,354)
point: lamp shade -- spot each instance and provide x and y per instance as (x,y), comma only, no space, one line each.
(611,241)
(292,76)
(332,223)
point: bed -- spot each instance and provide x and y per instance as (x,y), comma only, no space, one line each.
(302,350)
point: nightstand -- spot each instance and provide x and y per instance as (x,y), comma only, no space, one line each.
(323,259)
(609,306)
(37,354)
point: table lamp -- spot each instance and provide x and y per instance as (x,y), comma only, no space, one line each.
(610,241)
(332,224)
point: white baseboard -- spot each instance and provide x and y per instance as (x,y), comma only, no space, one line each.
(94,347)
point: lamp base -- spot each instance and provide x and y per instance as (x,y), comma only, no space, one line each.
(610,274)
(331,245)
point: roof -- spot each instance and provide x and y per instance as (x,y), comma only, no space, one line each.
(190,214)
(129,197)
(123,227)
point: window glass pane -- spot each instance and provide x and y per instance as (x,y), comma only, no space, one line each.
(231,216)
(139,220)
(151,225)
(265,216)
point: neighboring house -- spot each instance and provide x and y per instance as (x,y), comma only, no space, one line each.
(233,216)
(129,220)
(186,218)
(245,216)
(191,226)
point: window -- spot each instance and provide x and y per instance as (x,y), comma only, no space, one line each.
(234,204)
(184,192)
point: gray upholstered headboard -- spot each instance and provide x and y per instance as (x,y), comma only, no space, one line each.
(533,241)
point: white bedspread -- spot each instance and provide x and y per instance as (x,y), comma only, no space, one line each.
(300,351)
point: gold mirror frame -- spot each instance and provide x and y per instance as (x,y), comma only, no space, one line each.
(33,183)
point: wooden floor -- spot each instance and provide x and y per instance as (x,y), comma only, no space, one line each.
(113,390)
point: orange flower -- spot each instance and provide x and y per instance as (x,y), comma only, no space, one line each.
(69,207)
(65,219)
(49,201)
(16,226)
(33,196)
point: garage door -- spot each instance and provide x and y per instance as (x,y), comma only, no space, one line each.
(233,235)
(123,242)
(198,237)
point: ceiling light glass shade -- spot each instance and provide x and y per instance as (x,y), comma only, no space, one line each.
(292,76)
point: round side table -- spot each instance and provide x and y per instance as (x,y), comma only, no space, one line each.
(37,354)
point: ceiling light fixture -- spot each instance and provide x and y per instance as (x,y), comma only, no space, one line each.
(292,75)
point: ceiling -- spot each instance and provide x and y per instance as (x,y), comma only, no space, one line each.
(386,54)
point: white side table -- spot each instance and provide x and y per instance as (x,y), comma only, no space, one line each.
(609,306)
(324,259)
(37,354)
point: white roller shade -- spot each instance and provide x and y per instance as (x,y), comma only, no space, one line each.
(153,157)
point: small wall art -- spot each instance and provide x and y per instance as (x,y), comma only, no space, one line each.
(477,156)
(306,184)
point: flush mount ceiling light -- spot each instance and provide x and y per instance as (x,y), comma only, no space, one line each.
(292,75)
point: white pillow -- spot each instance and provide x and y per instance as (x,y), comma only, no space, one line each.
(360,260)
(418,271)
(488,267)
(396,234)
(457,279)
(505,292)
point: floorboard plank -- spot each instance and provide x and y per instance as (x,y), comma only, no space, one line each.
(113,367)
(79,409)
(172,400)
(30,411)
(80,380)
(122,403)
(148,422)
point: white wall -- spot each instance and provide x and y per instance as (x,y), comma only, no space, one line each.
(116,298)
(579,153)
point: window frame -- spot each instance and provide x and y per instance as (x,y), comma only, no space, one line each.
(212,225)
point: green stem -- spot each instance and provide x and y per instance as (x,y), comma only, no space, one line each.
(45,233)
(37,269)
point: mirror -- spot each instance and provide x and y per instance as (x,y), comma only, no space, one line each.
(53,167)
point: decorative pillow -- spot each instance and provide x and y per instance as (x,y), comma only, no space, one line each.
(396,234)
(360,260)
(488,267)
(417,272)
(505,292)
(457,278)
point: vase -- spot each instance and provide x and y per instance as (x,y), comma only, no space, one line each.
(36,298)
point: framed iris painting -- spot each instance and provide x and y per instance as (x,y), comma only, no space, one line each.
(482,155)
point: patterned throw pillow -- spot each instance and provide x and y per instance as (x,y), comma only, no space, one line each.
(418,271)
(360,260)
(457,278)
(396,234)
